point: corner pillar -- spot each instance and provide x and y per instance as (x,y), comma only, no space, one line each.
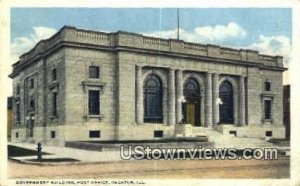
(242,119)
(139,96)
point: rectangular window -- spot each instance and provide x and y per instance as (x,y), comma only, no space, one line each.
(268,109)
(32,104)
(267,86)
(18,90)
(17,135)
(31,83)
(158,133)
(53,134)
(94,134)
(94,102)
(18,112)
(54,104)
(233,132)
(93,72)
(269,134)
(54,75)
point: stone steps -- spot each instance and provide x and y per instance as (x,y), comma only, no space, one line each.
(228,141)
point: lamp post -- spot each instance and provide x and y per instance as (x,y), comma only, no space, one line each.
(219,103)
(182,100)
(30,120)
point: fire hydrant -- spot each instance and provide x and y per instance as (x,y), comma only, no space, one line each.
(39,151)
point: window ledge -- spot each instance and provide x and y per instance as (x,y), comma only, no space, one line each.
(31,109)
(267,94)
(53,84)
(54,117)
(17,98)
(268,121)
(93,83)
(94,116)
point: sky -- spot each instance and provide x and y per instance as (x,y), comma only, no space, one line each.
(268,30)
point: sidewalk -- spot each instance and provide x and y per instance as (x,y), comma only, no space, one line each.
(84,156)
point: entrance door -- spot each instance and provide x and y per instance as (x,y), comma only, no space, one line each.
(191,108)
(190,113)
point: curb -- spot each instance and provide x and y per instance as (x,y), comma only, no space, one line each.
(64,163)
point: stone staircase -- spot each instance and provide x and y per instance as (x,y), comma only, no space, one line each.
(230,141)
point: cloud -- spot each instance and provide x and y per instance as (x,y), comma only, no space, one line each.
(206,34)
(273,45)
(225,34)
(23,44)
(221,32)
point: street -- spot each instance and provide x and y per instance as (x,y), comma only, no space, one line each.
(151,169)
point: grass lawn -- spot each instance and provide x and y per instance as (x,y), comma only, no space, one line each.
(14,151)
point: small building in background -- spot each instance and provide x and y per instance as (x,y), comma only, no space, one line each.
(10,116)
(286,110)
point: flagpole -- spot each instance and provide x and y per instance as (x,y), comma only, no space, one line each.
(177,23)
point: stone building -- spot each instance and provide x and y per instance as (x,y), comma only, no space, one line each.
(89,85)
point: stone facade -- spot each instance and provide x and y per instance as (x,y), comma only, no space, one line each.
(125,60)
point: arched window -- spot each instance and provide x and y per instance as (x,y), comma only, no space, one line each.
(153,99)
(226,108)
(191,88)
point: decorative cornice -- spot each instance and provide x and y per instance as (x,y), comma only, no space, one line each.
(125,41)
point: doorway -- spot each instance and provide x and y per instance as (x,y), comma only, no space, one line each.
(191,108)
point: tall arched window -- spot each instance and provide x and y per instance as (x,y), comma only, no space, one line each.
(153,99)
(226,107)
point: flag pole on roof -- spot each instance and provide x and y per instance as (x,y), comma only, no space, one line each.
(177,23)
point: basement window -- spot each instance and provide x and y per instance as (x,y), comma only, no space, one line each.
(94,133)
(158,133)
(233,132)
(269,133)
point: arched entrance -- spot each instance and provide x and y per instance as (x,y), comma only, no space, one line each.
(153,99)
(191,107)
(226,108)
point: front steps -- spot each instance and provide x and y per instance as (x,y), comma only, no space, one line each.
(231,141)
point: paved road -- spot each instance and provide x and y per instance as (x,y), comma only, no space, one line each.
(158,169)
